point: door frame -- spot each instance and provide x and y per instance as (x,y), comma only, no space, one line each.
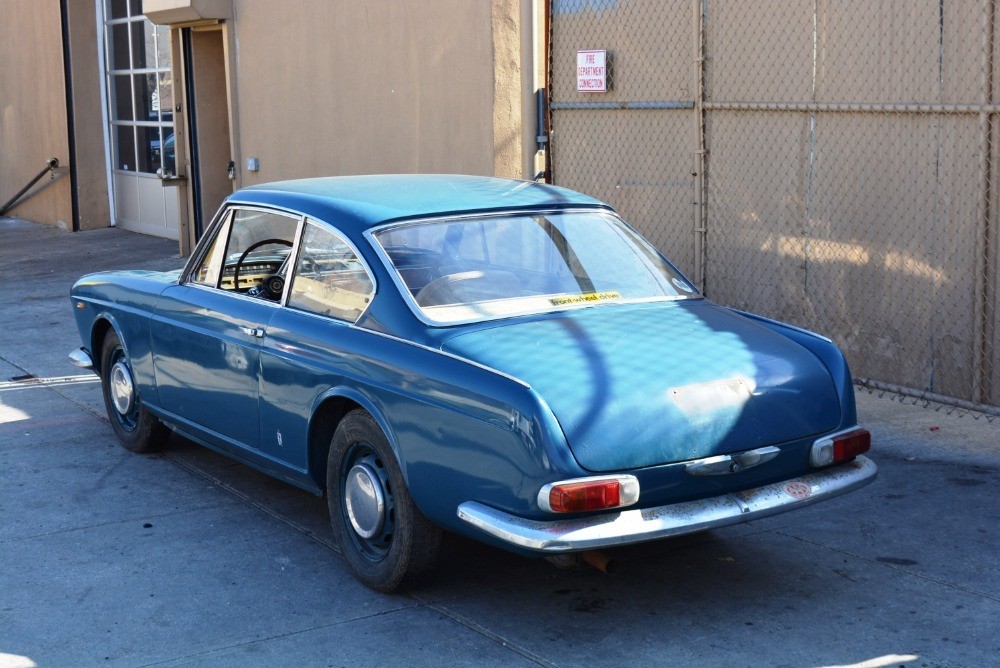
(193,225)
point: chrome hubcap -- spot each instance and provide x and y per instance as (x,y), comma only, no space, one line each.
(122,388)
(364,500)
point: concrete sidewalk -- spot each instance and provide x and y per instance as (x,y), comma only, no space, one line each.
(187,558)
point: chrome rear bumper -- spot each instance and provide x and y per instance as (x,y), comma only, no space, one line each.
(81,358)
(639,525)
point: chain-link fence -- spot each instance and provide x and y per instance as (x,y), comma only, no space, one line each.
(828,163)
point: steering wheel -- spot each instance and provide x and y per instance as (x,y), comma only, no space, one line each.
(252,247)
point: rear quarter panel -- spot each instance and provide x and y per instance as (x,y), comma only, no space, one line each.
(828,353)
(461,432)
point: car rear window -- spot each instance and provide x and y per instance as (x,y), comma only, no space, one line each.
(465,270)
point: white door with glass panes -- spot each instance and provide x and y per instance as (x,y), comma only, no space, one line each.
(140,116)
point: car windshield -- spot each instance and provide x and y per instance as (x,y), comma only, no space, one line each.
(492,267)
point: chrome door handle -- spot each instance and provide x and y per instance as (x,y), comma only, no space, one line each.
(253,331)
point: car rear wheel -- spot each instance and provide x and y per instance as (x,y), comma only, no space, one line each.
(384,538)
(136,428)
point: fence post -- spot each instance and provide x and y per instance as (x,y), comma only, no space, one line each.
(984,316)
(699,152)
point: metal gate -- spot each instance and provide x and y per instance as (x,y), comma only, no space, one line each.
(825,163)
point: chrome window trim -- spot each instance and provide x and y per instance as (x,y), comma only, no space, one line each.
(202,246)
(293,258)
(479,215)
(227,226)
(357,253)
(418,313)
(236,295)
(229,209)
(326,318)
(320,221)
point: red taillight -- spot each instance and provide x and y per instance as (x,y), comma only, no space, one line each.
(594,493)
(851,444)
(839,447)
(582,496)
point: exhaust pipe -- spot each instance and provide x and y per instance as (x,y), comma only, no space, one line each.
(600,561)
(594,558)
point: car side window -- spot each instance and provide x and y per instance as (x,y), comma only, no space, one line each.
(210,269)
(329,277)
(250,254)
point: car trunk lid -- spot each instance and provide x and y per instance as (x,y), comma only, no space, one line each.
(644,385)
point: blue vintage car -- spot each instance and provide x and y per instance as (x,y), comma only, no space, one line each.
(505,360)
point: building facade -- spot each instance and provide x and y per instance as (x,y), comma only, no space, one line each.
(159,109)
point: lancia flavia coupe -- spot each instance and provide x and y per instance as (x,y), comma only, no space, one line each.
(506,360)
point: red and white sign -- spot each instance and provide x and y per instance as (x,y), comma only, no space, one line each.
(592,71)
(797,490)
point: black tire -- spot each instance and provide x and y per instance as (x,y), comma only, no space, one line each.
(136,428)
(404,544)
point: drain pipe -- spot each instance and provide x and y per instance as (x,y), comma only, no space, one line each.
(50,164)
(539,76)
(74,188)
(542,135)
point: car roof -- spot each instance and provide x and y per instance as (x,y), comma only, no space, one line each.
(361,202)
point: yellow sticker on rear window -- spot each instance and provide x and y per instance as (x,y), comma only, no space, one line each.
(585,298)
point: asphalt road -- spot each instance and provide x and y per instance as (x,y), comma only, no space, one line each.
(186,558)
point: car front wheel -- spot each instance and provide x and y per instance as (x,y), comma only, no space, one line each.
(384,538)
(136,428)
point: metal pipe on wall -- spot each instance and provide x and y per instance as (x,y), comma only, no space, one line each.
(856,107)
(50,164)
(625,104)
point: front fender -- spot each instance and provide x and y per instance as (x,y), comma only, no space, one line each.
(125,301)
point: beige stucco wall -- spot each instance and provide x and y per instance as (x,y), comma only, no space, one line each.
(33,124)
(91,160)
(343,87)
(33,109)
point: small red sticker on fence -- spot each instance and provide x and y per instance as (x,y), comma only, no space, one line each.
(797,490)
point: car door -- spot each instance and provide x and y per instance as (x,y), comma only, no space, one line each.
(311,346)
(207,330)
